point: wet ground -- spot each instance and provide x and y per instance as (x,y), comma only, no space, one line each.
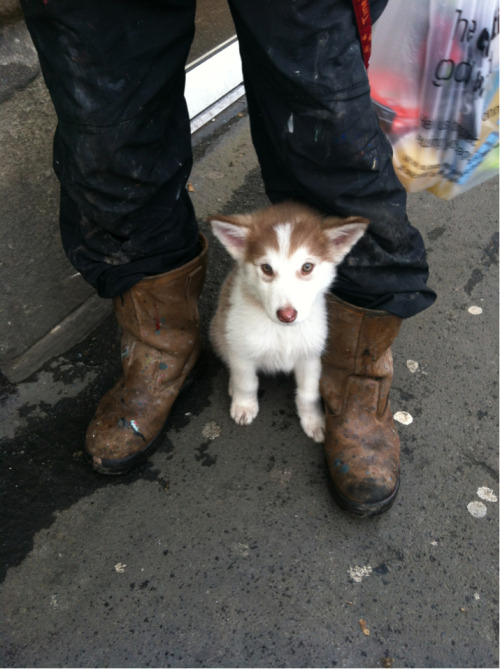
(226,549)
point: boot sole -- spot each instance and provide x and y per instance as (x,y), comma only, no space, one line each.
(123,466)
(363,510)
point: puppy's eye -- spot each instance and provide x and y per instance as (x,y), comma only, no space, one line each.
(267,269)
(307,268)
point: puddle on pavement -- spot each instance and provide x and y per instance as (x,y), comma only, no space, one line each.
(43,466)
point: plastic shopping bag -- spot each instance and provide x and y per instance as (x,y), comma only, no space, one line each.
(434,81)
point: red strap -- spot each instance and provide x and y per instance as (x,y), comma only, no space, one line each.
(364,21)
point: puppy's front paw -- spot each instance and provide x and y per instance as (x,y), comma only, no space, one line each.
(243,412)
(314,426)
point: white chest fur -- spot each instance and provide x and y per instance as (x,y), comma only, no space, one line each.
(272,346)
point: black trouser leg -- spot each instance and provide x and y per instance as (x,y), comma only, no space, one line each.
(122,150)
(318,140)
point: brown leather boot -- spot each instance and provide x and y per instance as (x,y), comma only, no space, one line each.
(161,345)
(361,442)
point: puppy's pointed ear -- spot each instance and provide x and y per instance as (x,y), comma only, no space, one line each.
(344,233)
(231,232)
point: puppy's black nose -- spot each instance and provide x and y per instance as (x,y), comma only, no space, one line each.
(287,315)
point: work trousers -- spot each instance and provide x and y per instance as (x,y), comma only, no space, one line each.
(122,148)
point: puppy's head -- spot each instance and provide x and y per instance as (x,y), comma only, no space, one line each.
(287,254)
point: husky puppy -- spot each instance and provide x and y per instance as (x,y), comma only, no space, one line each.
(272,314)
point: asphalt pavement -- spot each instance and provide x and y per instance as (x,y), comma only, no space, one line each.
(226,549)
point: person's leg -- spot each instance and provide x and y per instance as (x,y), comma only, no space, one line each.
(122,149)
(122,152)
(318,140)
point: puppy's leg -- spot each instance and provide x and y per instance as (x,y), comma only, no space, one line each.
(243,385)
(312,418)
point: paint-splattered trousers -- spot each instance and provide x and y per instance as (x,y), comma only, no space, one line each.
(122,148)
